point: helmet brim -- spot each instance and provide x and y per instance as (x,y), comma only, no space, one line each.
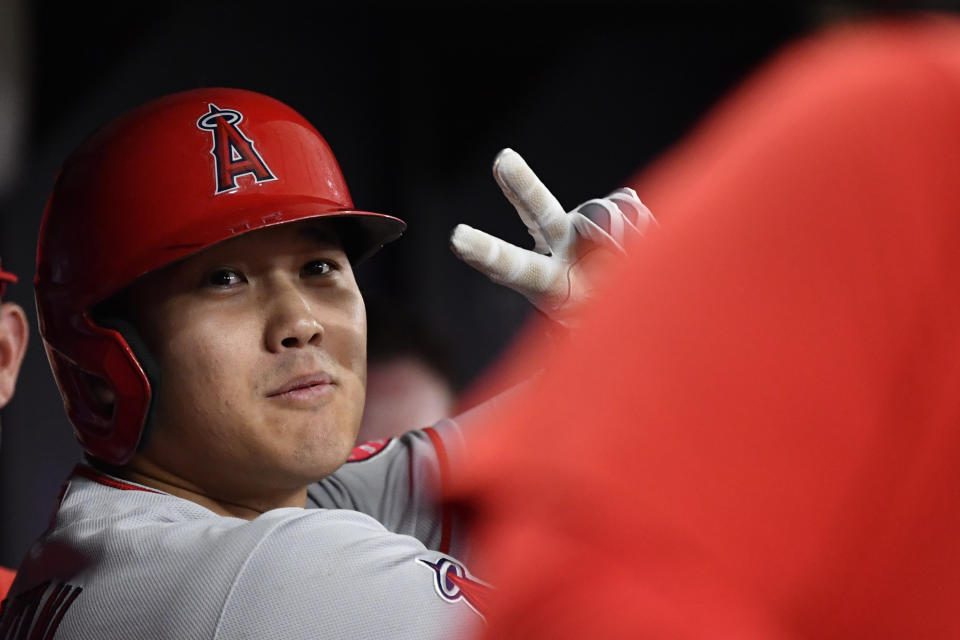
(363,233)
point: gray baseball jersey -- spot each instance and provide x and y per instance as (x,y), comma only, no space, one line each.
(121,560)
(397,482)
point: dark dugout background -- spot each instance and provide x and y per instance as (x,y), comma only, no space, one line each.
(415,100)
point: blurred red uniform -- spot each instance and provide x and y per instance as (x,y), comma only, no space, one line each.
(6,579)
(757,433)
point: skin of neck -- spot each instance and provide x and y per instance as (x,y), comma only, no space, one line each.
(143,470)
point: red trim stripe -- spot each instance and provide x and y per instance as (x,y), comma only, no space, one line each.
(476,593)
(446,519)
(90,473)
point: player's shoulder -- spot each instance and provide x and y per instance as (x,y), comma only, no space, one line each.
(320,530)
(339,571)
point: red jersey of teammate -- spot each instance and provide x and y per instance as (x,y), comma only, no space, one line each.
(757,434)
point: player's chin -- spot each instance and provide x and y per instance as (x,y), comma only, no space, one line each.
(319,455)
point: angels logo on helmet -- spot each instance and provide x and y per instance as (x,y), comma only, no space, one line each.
(234,153)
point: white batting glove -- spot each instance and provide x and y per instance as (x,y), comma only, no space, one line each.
(562,270)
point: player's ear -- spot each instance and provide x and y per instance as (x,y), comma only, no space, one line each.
(13,344)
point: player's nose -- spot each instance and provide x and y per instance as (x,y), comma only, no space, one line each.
(292,321)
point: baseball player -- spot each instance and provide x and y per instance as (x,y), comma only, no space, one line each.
(197,302)
(13,344)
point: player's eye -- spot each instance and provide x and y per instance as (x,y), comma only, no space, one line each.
(224,278)
(318,268)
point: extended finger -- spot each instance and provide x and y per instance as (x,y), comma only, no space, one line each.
(540,245)
(539,209)
(529,273)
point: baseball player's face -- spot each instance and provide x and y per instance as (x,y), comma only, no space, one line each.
(261,343)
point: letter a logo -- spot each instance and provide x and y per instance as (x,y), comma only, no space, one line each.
(232,151)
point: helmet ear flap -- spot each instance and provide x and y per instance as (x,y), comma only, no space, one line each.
(108,435)
(147,365)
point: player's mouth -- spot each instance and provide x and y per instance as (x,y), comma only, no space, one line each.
(304,388)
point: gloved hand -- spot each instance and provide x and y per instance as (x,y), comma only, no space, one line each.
(570,249)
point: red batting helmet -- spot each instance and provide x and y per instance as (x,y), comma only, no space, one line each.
(162,182)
